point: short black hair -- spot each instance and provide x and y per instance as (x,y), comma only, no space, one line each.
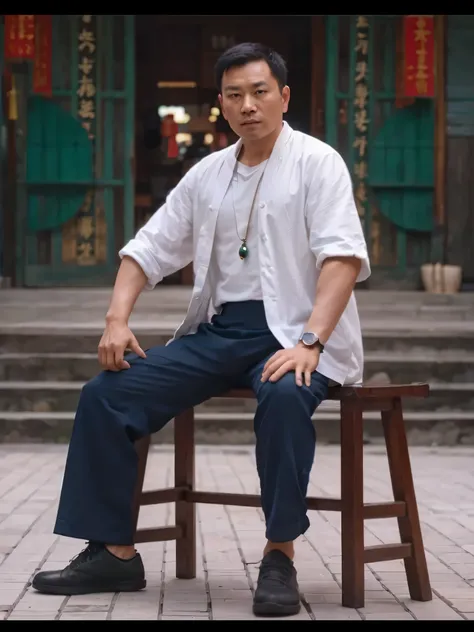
(244,53)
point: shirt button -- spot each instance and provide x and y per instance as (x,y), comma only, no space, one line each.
(262,205)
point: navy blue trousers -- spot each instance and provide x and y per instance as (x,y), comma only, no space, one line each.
(116,408)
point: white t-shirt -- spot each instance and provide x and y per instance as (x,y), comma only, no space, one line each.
(235,279)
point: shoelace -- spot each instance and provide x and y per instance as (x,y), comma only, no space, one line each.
(85,555)
(276,573)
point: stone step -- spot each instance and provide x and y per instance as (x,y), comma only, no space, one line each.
(64,396)
(382,337)
(74,340)
(398,367)
(418,341)
(164,294)
(423,428)
(175,311)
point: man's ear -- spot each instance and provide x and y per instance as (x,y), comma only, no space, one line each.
(221,103)
(285,95)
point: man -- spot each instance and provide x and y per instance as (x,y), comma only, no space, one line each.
(271,227)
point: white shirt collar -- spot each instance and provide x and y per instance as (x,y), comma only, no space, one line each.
(281,141)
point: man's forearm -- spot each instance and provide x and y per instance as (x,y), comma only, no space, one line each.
(335,284)
(129,284)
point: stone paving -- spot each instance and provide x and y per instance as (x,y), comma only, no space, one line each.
(230,540)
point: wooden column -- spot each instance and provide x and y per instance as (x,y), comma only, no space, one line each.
(318,76)
(440,120)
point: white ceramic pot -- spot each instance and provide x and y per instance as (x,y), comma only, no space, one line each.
(441,279)
(452,278)
(427,277)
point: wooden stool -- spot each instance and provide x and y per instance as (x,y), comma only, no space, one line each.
(353,401)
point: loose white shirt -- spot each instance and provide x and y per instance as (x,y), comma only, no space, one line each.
(306,213)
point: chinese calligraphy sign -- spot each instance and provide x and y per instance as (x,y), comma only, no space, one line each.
(19,37)
(86,88)
(42,65)
(419,56)
(361,119)
(86,92)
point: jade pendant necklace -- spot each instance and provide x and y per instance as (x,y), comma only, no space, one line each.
(244,250)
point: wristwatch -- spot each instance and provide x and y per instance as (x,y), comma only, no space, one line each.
(310,339)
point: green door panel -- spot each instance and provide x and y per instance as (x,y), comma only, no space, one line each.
(59,159)
(401,167)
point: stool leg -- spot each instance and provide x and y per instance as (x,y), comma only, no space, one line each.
(352,501)
(185,511)
(403,490)
(142,447)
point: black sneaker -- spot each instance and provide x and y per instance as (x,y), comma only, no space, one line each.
(93,570)
(277,588)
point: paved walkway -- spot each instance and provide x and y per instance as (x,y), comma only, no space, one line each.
(230,541)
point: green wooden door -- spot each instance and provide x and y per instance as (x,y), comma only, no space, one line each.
(388,143)
(76,193)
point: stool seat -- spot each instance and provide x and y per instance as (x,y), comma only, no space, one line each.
(354,401)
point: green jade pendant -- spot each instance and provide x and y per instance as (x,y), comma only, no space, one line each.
(243,251)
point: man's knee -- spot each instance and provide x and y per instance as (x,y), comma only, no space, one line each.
(285,389)
(100,386)
(285,393)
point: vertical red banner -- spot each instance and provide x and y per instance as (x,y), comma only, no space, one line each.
(419,80)
(19,37)
(42,67)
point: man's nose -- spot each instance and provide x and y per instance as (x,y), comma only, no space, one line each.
(248,104)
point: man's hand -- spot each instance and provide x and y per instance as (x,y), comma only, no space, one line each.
(116,338)
(300,359)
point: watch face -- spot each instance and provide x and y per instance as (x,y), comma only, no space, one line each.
(309,338)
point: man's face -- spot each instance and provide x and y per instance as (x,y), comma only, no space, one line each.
(251,100)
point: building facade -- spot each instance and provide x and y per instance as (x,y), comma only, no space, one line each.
(102,116)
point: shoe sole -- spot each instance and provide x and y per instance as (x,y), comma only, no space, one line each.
(269,609)
(86,590)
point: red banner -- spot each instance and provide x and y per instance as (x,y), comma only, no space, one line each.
(419,56)
(42,67)
(19,37)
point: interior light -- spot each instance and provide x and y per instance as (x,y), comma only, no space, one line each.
(176,84)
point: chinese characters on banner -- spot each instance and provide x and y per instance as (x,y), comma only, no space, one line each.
(361,119)
(19,37)
(419,56)
(86,89)
(42,65)
(361,140)
(86,92)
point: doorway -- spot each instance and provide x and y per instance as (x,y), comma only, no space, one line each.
(178,120)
